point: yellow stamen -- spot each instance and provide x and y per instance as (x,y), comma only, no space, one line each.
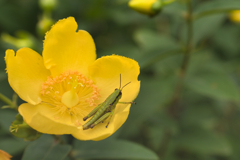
(70,93)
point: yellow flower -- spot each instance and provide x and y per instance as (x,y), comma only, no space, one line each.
(149,7)
(64,84)
(235,16)
(4,155)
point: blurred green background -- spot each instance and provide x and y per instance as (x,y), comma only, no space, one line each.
(203,124)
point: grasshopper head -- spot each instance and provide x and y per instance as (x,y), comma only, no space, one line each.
(118,91)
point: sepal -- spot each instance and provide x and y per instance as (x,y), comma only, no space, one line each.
(20,129)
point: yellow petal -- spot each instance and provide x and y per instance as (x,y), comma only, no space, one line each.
(65,49)
(26,73)
(4,155)
(44,119)
(106,73)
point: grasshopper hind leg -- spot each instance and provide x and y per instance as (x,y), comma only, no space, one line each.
(110,117)
(92,112)
(101,119)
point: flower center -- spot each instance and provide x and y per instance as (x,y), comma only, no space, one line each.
(70,93)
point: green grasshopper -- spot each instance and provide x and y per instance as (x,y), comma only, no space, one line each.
(105,109)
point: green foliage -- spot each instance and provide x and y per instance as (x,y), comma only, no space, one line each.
(45,148)
(211,79)
(201,141)
(202,123)
(112,149)
(12,145)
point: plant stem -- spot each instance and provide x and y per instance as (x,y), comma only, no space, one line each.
(174,104)
(8,101)
(160,57)
(60,140)
(189,41)
(185,63)
(211,12)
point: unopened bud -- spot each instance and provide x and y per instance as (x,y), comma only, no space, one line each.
(145,6)
(148,7)
(44,25)
(20,129)
(235,16)
(47,5)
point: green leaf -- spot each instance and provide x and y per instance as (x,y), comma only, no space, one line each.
(215,85)
(153,95)
(7,117)
(202,141)
(216,6)
(226,39)
(211,79)
(149,40)
(201,27)
(160,126)
(45,148)
(234,140)
(12,145)
(202,115)
(3,76)
(112,149)
(156,136)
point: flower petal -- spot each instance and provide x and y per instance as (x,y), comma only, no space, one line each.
(42,118)
(106,73)
(26,73)
(65,49)
(4,155)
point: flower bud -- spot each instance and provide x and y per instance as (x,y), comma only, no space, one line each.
(47,5)
(148,7)
(44,24)
(4,155)
(235,16)
(20,129)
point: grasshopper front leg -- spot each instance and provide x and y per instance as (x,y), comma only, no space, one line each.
(127,102)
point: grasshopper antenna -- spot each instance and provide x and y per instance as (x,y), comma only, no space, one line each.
(125,85)
(121,82)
